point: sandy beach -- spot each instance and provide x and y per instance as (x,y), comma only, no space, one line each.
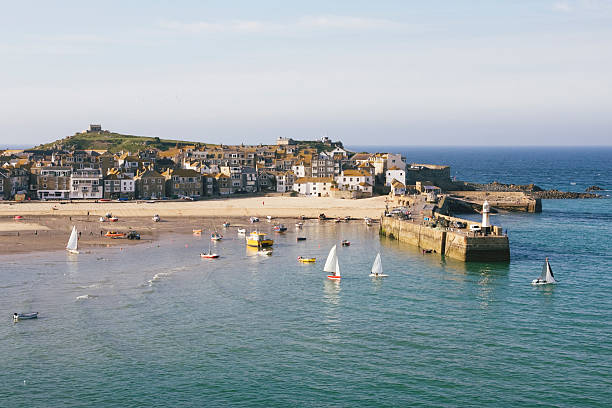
(46,228)
(276,206)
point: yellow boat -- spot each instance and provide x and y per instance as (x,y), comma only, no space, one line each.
(306,260)
(197,232)
(258,240)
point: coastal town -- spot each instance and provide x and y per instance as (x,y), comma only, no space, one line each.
(320,168)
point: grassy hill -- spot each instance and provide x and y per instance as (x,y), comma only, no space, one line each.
(113,142)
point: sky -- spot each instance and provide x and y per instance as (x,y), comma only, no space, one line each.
(457,72)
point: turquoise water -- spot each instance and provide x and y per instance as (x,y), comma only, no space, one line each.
(155,325)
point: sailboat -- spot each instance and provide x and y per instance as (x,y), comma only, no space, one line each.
(377,270)
(73,241)
(546,276)
(331,265)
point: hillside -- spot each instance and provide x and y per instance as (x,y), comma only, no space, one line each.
(113,142)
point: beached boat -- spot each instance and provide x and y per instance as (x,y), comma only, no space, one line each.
(346,243)
(226,225)
(156,218)
(546,277)
(25,316)
(18,217)
(113,219)
(258,240)
(279,228)
(72,245)
(331,264)
(269,217)
(114,234)
(215,236)
(253,219)
(377,270)
(241,231)
(347,218)
(367,221)
(306,260)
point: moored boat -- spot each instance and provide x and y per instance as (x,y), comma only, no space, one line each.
(258,240)
(299,224)
(306,260)
(241,231)
(300,239)
(226,225)
(197,232)
(215,236)
(346,242)
(279,228)
(25,316)
(253,219)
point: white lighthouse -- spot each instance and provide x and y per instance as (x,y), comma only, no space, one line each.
(486,208)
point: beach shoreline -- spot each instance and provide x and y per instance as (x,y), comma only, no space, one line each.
(45,229)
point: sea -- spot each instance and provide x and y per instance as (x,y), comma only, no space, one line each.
(155,325)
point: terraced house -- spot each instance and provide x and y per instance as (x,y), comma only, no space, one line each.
(183,183)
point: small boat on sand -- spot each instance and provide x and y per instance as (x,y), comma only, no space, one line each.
(241,231)
(156,218)
(346,242)
(306,260)
(24,316)
(546,277)
(253,219)
(114,234)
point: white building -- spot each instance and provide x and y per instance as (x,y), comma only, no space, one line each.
(314,186)
(355,180)
(284,181)
(86,183)
(395,173)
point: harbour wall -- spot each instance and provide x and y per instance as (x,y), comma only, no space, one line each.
(463,245)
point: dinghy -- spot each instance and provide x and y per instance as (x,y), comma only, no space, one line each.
(25,316)
(306,260)
(209,254)
(156,218)
(73,241)
(377,270)
(346,243)
(300,239)
(215,236)
(546,276)
(331,265)
(241,231)
(226,225)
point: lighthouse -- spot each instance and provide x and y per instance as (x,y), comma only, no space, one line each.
(485,215)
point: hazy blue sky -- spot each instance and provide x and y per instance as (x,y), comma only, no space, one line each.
(367,72)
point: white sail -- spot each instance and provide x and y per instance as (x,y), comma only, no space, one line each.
(73,240)
(548,273)
(331,264)
(377,266)
(337,272)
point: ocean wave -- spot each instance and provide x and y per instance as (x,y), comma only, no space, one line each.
(85,297)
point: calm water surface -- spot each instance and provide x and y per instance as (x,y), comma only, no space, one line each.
(154,324)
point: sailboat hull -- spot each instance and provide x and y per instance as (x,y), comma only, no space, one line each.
(539,282)
(333,277)
(380,275)
(73,251)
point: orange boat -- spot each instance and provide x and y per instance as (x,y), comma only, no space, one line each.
(114,234)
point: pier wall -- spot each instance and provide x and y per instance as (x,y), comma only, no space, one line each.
(457,245)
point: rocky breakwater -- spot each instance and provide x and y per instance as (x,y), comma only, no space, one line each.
(534,191)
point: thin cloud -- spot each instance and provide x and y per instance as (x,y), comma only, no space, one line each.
(308,22)
(562,7)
